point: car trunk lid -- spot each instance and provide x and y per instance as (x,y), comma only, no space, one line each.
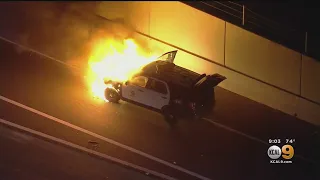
(208,81)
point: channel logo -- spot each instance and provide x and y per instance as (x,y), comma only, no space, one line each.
(286,152)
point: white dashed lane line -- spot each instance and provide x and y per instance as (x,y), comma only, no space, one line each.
(179,168)
(89,151)
(250,137)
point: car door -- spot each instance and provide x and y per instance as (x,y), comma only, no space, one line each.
(134,88)
(157,93)
(169,56)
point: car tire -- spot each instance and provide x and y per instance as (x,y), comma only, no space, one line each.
(112,95)
(197,117)
(198,114)
(169,115)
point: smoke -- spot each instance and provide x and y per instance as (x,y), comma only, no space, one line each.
(63,30)
(59,29)
(48,27)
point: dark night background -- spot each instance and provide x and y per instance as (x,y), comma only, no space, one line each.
(284,22)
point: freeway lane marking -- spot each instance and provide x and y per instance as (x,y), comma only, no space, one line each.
(250,137)
(74,146)
(84,130)
(37,52)
(235,131)
(103,138)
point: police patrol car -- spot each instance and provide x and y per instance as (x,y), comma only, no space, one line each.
(167,88)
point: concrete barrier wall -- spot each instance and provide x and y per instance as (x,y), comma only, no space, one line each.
(310,89)
(226,44)
(310,78)
(262,59)
(308,111)
(114,10)
(46,27)
(134,14)
(140,16)
(250,88)
(188,28)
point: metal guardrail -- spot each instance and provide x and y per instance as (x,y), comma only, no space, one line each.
(246,18)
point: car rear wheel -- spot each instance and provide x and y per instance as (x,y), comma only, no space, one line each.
(112,95)
(169,115)
(202,110)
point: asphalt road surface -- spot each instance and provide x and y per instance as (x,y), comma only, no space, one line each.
(27,157)
(198,146)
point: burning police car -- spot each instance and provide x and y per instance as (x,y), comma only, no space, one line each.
(167,88)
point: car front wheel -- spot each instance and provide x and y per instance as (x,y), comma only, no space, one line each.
(112,95)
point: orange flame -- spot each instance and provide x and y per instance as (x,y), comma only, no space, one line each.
(114,60)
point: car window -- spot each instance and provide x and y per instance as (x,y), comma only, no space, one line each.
(157,86)
(169,56)
(165,57)
(139,81)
